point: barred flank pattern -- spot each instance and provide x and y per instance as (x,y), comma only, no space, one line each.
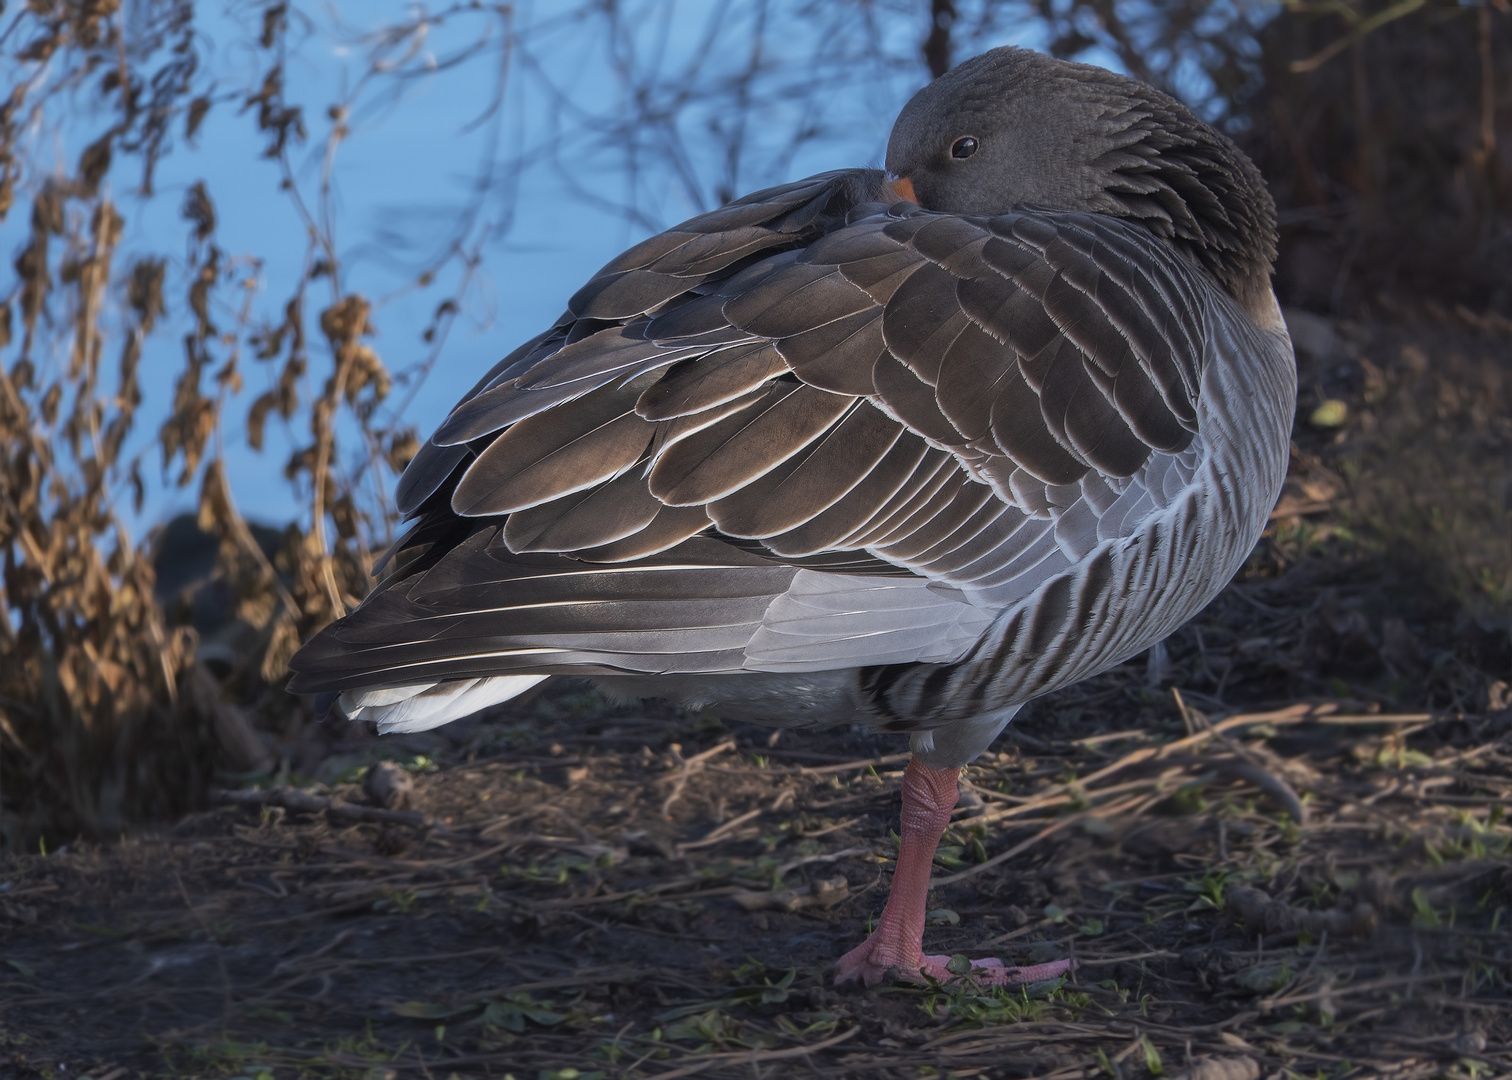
(1125,596)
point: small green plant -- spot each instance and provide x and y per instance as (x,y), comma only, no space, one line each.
(808,1025)
(509,1014)
(1425,915)
(711,1029)
(1151,1056)
(1265,978)
(1208,890)
(400,900)
(964,1001)
(768,993)
(950,856)
(501,1014)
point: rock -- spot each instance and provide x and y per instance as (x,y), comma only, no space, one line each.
(1470,1042)
(388,786)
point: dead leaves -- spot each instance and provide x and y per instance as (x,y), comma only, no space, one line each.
(358,368)
(89,672)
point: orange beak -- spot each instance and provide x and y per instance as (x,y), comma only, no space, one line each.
(900,188)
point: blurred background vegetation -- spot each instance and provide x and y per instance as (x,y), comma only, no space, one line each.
(142,354)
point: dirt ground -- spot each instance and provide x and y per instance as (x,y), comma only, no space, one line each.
(1276,847)
(638,893)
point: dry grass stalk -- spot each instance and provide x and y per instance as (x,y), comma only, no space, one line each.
(1215,937)
(94,732)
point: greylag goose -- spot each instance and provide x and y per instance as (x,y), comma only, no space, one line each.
(904,449)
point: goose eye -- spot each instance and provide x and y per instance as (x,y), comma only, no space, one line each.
(963,147)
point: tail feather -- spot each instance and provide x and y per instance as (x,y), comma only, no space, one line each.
(427,705)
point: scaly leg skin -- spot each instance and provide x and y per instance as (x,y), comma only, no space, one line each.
(929,795)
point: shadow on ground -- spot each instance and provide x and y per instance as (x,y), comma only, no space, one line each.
(642,895)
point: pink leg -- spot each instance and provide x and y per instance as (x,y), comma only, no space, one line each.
(929,795)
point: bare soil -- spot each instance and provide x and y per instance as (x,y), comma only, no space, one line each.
(634,892)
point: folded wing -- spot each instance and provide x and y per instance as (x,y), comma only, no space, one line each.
(667,479)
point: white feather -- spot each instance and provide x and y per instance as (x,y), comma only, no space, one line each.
(429,705)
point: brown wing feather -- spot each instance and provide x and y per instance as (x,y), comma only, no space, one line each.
(670,527)
(1027,339)
(574,446)
(730,454)
(831,529)
(585,519)
(817,373)
(714,380)
(811,482)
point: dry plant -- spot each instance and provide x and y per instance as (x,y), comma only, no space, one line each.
(105,717)
(89,674)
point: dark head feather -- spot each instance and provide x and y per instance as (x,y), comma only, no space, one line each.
(1059,135)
